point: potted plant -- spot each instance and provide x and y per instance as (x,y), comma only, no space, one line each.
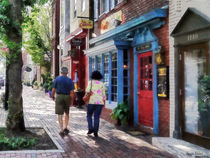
(45,86)
(35,85)
(50,84)
(121,113)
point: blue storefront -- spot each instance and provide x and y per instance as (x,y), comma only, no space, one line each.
(125,56)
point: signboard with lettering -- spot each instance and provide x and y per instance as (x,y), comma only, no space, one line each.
(144,47)
(163,82)
(109,22)
(76,42)
(85,23)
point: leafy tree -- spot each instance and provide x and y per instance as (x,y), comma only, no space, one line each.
(36,32)
(11,19)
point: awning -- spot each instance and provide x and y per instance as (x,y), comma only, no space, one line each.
(78,33)
(100,49)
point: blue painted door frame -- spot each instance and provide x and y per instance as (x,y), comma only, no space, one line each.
(121,45)
(142,37)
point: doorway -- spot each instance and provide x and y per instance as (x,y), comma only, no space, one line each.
(195,98)
(145,89)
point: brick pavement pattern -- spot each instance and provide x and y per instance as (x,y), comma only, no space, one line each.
(39,111)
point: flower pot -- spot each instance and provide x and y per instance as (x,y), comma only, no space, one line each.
(50,94)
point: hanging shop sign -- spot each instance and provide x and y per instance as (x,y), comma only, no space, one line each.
(163,82)
(76,42)
(111,22)
(144,47)
(85,23)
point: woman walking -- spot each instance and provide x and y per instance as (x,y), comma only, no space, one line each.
(96,102)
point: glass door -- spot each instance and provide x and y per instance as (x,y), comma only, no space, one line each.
(196,97)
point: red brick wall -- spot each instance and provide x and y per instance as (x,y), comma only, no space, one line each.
(164,117)
(132,9)
(135,8)
(163,37)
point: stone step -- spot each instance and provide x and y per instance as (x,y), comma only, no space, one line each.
(180,148)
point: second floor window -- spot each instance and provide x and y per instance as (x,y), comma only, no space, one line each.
(82,5)
(103,6)
(75,8)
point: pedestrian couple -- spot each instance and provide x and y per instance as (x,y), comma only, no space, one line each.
(64,89)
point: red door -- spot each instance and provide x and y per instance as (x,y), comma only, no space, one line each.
(145,89)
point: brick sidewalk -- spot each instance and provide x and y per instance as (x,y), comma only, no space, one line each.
(112,143)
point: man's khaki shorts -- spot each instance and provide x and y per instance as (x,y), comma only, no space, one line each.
(62,103)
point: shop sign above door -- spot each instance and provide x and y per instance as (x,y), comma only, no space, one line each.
(76,42)
(144,47)
(85,23)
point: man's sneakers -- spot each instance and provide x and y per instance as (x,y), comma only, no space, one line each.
(64,133)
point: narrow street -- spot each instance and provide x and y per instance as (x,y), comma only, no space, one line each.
(111,143)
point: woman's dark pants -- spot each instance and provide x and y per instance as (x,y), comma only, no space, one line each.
(96,110)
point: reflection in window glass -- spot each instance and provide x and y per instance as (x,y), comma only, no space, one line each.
(197,106)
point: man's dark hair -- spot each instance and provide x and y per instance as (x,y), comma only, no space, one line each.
(96,75)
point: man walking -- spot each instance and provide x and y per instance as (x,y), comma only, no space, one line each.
(64,89)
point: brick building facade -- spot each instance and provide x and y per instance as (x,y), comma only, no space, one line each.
(128,36)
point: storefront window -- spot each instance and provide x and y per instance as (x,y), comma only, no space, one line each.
(197,100)
(114,78)
(93,63)
(99,63)
(125,76)
(110,77)
(106,74)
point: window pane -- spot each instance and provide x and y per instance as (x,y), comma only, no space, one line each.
(103,6)
(99,63)
(106,74)
(114,77)
(150,85)
(93,63)
(197,103)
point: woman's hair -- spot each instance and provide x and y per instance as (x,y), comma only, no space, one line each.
(96,75)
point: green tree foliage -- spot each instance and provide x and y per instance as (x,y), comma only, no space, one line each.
(36,30)
(12,15)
